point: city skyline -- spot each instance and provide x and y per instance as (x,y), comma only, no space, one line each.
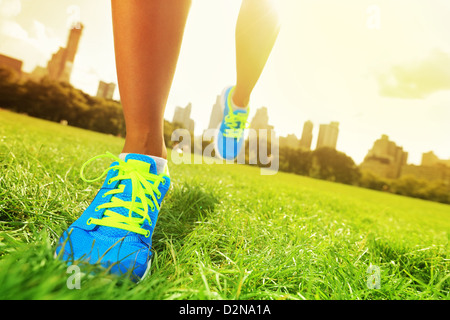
(373,81)
(327,136)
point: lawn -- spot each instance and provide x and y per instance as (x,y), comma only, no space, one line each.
(225,232)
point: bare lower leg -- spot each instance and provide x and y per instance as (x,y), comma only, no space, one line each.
(257,29)
(147,38)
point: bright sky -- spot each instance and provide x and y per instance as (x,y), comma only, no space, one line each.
(377,67)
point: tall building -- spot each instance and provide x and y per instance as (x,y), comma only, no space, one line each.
(261,120)
(11,63)
(60,65)
(182,116)
(106,90)
(429,159)
(306,139)
(385,159)
(290,141)
(328,135)
(73,42)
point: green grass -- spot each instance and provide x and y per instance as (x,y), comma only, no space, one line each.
(225,232)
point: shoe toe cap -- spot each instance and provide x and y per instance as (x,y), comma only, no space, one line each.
(119,255)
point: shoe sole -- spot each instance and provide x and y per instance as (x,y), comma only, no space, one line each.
(146,273)
(149,263)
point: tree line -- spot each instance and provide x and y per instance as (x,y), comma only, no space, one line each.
(60,102)
(57,101)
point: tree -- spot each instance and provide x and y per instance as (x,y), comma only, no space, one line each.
(297,161)
(332,165)
(371,181)
(9,89)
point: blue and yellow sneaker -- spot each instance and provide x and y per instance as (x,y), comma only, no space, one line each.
(116,230)
(230,137)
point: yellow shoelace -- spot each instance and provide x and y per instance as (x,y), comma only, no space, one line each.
(236,122)
(142,184)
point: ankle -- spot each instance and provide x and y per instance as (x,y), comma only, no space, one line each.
(145,145)
(240,99)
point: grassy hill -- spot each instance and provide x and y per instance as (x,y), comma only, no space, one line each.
(225,232)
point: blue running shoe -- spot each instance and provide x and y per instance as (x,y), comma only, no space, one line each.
(230,137)
(116,230)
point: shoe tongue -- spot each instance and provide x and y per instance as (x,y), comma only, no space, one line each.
(143,162)
(240,111)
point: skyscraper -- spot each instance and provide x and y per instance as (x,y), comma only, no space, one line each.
(289,141)
(11,63)
(264,132)
(182,116)
(73,42)
(429,159)
(261,120)
(106,90)
(385,159)
(306,139)
(328,134)
(60,65)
